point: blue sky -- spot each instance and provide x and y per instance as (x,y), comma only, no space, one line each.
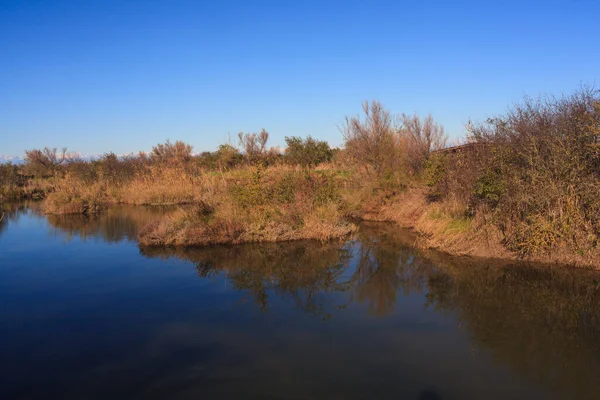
(123,75)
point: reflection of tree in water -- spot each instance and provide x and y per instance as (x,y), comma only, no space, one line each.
(309,272)
(12,211)
(113,224)
(386,262)
(306,272)
(3,219)
(543,322)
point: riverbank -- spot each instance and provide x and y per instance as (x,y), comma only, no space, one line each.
(246,204)
(284,203)
(524,185)
(441,226)
(93,267)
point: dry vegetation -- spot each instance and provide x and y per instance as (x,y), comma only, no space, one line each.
(533,176)
(525,185)
(257,204)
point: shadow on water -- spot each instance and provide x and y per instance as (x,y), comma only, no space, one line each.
(542,322)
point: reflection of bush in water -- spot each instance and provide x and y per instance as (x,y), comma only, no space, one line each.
(113,224)
(543,322)
(308,270)
(3,220)
(11,212)
(385,262)
(304,271)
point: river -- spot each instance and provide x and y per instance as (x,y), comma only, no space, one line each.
(87,313)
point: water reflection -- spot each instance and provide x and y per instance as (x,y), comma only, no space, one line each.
(370,270)
(113,225)
(541,322)
(306,272)
(386,261)
(10,213)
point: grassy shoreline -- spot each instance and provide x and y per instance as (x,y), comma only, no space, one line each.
(256,204)
(440,230)
(524,185)
(230,221)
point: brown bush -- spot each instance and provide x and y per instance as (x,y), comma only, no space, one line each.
(372,141)
(535,174)
(171,152)
(422,136)
(45,162)
(254,145)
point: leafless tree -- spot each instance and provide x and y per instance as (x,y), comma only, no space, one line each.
(44,162)
(254,145)
(424,135)
(169,152)
(47,157)
(372,140)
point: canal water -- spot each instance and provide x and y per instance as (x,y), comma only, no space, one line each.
(86,313)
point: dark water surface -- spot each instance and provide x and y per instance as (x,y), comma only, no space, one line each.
(86,313)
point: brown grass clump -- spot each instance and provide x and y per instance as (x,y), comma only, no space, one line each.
(163,185)
(73,197)
(154,185)
(263,205)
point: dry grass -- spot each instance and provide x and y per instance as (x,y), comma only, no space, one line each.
(285,203)
(75,197)
(445,226)
(188,229)
(159,185)
(256,205)
(441,225)
(526,186)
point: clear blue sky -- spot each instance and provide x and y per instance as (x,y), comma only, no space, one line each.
(123,75)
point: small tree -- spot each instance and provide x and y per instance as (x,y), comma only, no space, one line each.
(10,180)
(44,162)
(307,152)
(254,145)
(171,152)
(423,136)
(372,141)
(227,156)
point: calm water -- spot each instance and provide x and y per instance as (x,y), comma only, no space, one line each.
(86,313)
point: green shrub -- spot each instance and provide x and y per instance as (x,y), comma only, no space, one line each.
(307,152)
(252,193)
(435,177)
(489,187)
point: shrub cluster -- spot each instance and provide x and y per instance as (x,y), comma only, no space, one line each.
(394,148)
(307,152)
(534,173)
(12,182)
